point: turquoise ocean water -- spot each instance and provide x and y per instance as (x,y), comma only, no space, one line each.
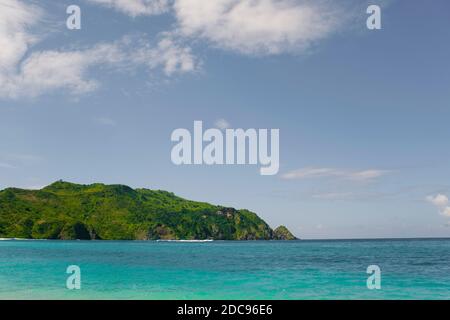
(411,269)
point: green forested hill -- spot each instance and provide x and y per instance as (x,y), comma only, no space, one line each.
(66,210)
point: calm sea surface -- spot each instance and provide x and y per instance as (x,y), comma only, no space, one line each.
(410,269)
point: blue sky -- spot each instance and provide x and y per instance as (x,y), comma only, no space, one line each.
(363,114)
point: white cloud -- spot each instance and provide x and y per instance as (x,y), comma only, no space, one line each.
(14,161)
(136,8)
(44,71)
(6,165)
(222,124)
(311,172)
(441,202)
(366,174)
(24,72)
(16,22)
(446,212)
(172,56)
(105,121)
(334,196)
(261,27)
(49,70)
(26,159)
(254,27)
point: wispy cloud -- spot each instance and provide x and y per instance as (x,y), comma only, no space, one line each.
(334,196)
(222,124)
(251,27)
(136,8)
(5,165)
(355,175)
(171,55)
(17,20)
(50,70)
(258,27)
(365,174)
(105,121)
(30,73)
(15,160)
(441,202)
(240,26)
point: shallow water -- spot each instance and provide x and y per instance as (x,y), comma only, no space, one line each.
(411,269)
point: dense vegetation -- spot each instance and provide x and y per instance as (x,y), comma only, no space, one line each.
(282,233)
(66,210)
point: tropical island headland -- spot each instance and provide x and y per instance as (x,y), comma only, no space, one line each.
(69,211)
